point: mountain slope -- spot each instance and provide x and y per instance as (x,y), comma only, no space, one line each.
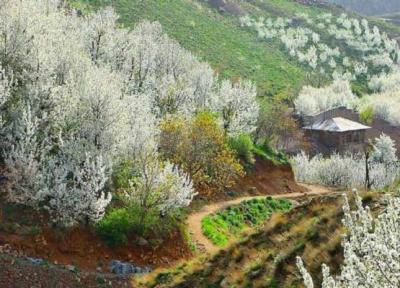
(211,32)
(370,7)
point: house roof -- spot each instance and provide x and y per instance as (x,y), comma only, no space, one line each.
(337,124)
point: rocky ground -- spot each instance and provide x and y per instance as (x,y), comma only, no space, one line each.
(22,272)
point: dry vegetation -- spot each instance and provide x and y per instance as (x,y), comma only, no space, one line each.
(267,258)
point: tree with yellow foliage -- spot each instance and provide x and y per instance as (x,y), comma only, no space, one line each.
(200,149)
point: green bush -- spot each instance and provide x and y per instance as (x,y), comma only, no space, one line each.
(367,115)
(215,229)
(266,152)
(119,222)
(122,174)
(245,149)
(243,146)
(115,226)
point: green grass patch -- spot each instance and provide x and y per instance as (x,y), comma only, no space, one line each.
(227,224)
(267,153)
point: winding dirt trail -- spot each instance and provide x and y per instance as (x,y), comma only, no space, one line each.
(194,220)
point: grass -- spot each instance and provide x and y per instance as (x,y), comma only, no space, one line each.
(267,153)
(227,224)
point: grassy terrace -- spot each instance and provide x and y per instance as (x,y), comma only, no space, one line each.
(228,224)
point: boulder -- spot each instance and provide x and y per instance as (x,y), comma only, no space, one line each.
(143,242)
(123,268)
(35,261)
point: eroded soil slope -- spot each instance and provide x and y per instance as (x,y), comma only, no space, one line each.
(267,178)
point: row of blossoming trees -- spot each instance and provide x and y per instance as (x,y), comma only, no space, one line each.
(360,50)
(80,97)
(383,102)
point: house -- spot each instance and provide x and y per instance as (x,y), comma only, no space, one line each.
(331,131)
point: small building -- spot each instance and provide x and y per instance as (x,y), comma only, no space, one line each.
(330,132)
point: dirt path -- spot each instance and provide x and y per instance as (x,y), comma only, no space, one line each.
(194,220)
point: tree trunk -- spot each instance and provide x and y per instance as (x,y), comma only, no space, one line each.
(367,179)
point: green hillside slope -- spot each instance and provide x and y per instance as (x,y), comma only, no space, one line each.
(216,37)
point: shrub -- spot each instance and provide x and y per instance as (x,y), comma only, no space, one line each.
(118,223)
(265,151)
(243,146)
(114,227)
(122,174)
(367,115)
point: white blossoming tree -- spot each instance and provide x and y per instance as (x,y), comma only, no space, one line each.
(75,193)
(81,95)
(238,107)
(384,150)
(314,100)
(159,186)
(350,170)
(371,249)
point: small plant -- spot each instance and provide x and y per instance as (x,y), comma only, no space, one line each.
(367,115)
(33,231)
(100,280)
(113,228)
(215,229)
(243,146)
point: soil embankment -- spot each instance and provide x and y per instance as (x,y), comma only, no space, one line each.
(267,178)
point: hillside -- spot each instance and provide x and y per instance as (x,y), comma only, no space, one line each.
(267,257)
(370,7)
(212,32)
(391,17)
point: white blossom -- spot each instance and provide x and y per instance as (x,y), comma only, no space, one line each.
(371,248)
(75,194)
(350,170)
(313,100)
(79,94)
(160,186)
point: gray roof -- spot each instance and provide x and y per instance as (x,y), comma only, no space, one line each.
(337,124)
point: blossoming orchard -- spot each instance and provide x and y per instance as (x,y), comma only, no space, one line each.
(71,111)
(123,151)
